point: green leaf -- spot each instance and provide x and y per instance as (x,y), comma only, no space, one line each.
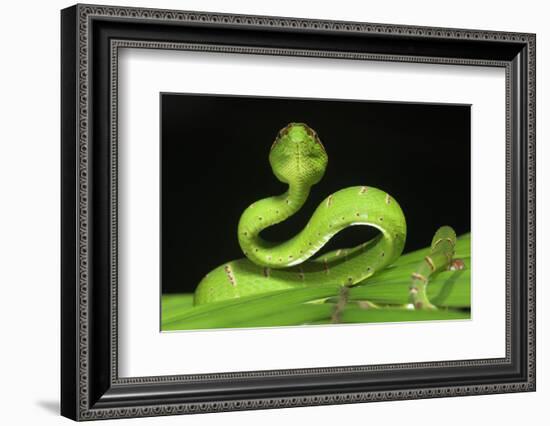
(449,290)
(237,311)
(355,314)
(173,305)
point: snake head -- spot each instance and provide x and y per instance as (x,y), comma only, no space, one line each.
(298,156)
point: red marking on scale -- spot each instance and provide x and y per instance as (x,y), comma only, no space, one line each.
(417,276)
(430,262)
(230,276)
(457,265)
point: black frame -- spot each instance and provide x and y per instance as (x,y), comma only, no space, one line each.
(91,37)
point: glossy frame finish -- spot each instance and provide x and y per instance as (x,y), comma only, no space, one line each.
(91,38)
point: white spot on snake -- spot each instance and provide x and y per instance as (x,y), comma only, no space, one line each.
(329,200)
(388,199)
(434,245)
(230,276)
(296,262)
(339,252)
(430,263)
(363,189)
(417,276)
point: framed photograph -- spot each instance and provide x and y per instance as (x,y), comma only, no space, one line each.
(263,212)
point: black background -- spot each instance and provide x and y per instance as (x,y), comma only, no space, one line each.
(215,163)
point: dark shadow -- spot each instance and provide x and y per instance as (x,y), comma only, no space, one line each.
(50,406)
(447,287)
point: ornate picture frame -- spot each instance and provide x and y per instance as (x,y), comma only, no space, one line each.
(91,38)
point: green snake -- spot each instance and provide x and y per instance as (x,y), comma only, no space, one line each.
(440,257)
(298,159)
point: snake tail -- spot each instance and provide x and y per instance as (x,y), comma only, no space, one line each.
(440,258)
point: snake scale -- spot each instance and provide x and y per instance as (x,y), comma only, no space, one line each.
(298,159)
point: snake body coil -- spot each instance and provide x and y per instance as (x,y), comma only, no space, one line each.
(298,159)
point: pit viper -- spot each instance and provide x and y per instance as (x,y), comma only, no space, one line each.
(299,159)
